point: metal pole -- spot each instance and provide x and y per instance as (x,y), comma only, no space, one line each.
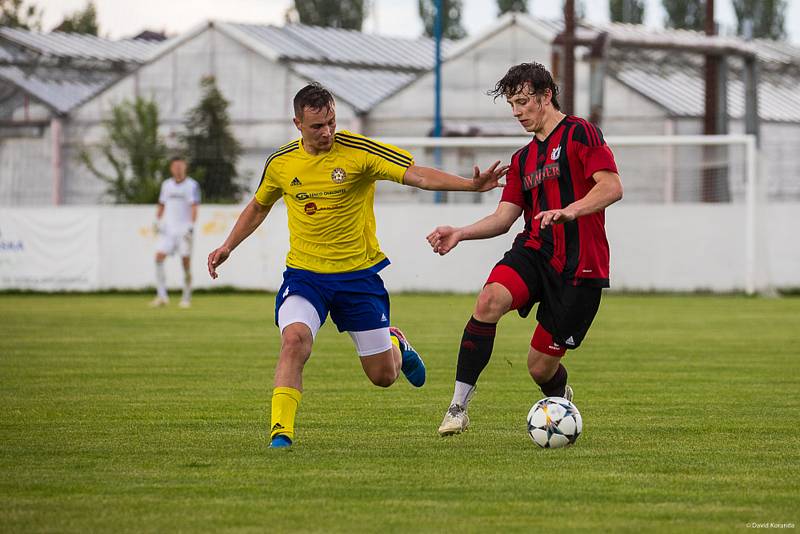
(751,127)
(56,137)
(750,216)
(711,79)
(709,189)
(439,196)
(569,57)
(751,119)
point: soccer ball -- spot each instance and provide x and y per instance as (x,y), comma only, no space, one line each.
(554,422)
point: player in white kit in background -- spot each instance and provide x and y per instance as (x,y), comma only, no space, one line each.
(175,218)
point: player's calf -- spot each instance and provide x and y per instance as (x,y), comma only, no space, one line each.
(381,369)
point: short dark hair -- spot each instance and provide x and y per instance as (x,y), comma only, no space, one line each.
(534,74)
(173,159)
(313,96)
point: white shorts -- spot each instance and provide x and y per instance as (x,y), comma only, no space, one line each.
(170,244)
(296,309)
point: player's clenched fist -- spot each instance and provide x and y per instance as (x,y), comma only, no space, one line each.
(444,239)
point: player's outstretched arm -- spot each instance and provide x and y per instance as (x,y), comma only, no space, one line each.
(250,218)
(607,190)
(432,179)
(445,238)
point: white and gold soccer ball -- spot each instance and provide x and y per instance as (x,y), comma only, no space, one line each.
(554,422)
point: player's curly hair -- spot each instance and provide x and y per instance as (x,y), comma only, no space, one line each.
(313,96)
(534,74)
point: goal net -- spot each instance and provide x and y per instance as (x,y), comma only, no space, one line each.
(687,221)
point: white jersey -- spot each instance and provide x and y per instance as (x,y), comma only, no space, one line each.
(178,199)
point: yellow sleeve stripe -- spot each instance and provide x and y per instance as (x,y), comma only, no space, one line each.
(375,149)
(291,147)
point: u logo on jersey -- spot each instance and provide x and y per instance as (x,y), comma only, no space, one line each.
(555,153)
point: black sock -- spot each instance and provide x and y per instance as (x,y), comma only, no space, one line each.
(475,351)
(555,387)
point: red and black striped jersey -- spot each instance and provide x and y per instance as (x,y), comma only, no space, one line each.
(552,174)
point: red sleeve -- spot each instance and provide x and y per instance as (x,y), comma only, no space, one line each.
(598,158)
(591,148)
(512,192)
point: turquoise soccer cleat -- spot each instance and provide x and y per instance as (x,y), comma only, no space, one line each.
(413,366)
(280,441)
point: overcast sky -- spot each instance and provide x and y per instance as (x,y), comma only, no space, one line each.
(123,18)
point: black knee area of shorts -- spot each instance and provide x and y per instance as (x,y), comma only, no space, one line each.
(556,386)
(475,351)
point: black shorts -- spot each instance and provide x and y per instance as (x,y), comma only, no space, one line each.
(566,311)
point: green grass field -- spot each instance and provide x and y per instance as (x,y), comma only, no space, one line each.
(116,417)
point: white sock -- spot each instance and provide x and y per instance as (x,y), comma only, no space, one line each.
(187,285)
(462,393)
(161,280)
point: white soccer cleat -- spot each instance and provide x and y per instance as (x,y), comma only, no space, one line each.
(158,302)
(185,304)
(568,393)
(455,421)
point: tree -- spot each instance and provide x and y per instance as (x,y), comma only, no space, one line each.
(685,14)
(348,14)
(15,14)
(451,18)
(84,21)
(630,11)
(212,150)
(768,17)
(516,6)
(135,152)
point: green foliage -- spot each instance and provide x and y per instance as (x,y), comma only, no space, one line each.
(768,16)
(134,151)
(516,6)
(348,14)
(16,14)
(84,21)
(120,418)
(451,18)
(211,149)
(631,11)
(685,14)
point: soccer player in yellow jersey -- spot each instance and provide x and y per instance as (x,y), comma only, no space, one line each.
(327,180)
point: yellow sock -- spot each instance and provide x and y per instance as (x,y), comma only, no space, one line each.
(284,407)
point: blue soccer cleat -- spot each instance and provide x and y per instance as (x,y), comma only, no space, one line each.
(280,441)
(413,366)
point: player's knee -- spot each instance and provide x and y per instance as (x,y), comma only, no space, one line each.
(540,372)
(491,305)
(542,365)
(295,343)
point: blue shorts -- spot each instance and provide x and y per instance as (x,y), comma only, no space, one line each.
(357,301)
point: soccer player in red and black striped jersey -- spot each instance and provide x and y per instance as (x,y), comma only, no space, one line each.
(561,183)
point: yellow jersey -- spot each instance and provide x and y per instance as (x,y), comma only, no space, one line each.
(329,200)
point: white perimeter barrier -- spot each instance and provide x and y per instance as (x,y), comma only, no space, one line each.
(683,247)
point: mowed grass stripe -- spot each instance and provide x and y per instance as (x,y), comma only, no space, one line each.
(119,417)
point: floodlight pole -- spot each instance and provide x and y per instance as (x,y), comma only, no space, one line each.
(439,196)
